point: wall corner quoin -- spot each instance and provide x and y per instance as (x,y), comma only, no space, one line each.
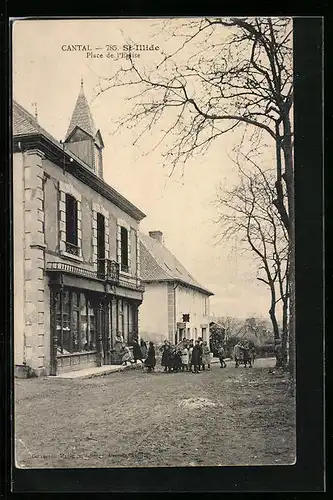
(33,157)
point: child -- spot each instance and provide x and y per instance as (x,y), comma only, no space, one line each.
(221,353)
(190,350)
(237,354)
(185,358)
(126,357)
(205,356)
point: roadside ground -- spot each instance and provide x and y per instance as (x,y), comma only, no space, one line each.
(130,419)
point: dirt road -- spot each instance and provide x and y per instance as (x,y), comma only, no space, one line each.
(130,419)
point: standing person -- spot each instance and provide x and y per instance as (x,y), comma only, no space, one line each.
(237,354)
(200,351)
(137,354)
(205,356)
(246,354)
(118,345)
(196,357)
(165,355)
(143,347)
(150,361)
(278,353)
(190,350)
(185,358)
(221,353)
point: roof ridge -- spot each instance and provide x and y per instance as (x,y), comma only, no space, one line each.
(25,111)
(162,255)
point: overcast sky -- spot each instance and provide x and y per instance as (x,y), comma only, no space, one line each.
(181,206)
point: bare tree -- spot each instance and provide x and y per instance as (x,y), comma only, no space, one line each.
(247,212)
(236,73)
(230,324)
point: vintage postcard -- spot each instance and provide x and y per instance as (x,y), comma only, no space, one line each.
(154,242)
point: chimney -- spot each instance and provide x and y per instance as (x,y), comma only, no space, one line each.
(157,235)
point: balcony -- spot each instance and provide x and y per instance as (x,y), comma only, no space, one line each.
(108,270)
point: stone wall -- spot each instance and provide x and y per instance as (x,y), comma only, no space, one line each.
(34,285)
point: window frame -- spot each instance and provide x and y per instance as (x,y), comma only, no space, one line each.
(124,269)
(98,209)
(74,308)
(71,222)
(64,190)
(124,266)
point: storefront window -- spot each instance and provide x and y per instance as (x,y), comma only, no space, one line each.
(75,323)
(66,343)
(131,332)
(125,314)
(91,338)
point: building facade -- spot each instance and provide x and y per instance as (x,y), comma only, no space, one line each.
(76,249)
(175,304)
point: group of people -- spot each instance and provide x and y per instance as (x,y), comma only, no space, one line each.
(187,355)
(243,353)
(140,353)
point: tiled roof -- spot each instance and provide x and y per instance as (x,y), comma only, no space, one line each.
(82,116)
(157,263)
(25,123)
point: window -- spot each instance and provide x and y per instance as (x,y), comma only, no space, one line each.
(100,245)
(205,306)
(98,162)
(71,225)
(124,249)
(75,323)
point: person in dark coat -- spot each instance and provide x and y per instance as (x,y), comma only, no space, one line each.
(137,354)
(150,361)
(166,356)
(196,357)
(177,360)
(190,350)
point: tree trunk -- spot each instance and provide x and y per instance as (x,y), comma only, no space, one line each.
(284,331)
(289,178)
(272,311)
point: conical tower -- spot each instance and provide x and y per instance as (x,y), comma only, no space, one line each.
(83,138)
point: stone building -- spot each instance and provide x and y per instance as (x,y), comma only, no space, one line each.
(76,249)
(175,304)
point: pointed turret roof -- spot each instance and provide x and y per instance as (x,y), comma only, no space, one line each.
(82,116)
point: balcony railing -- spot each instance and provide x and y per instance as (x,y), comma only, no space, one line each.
(72,249)
(108,270)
